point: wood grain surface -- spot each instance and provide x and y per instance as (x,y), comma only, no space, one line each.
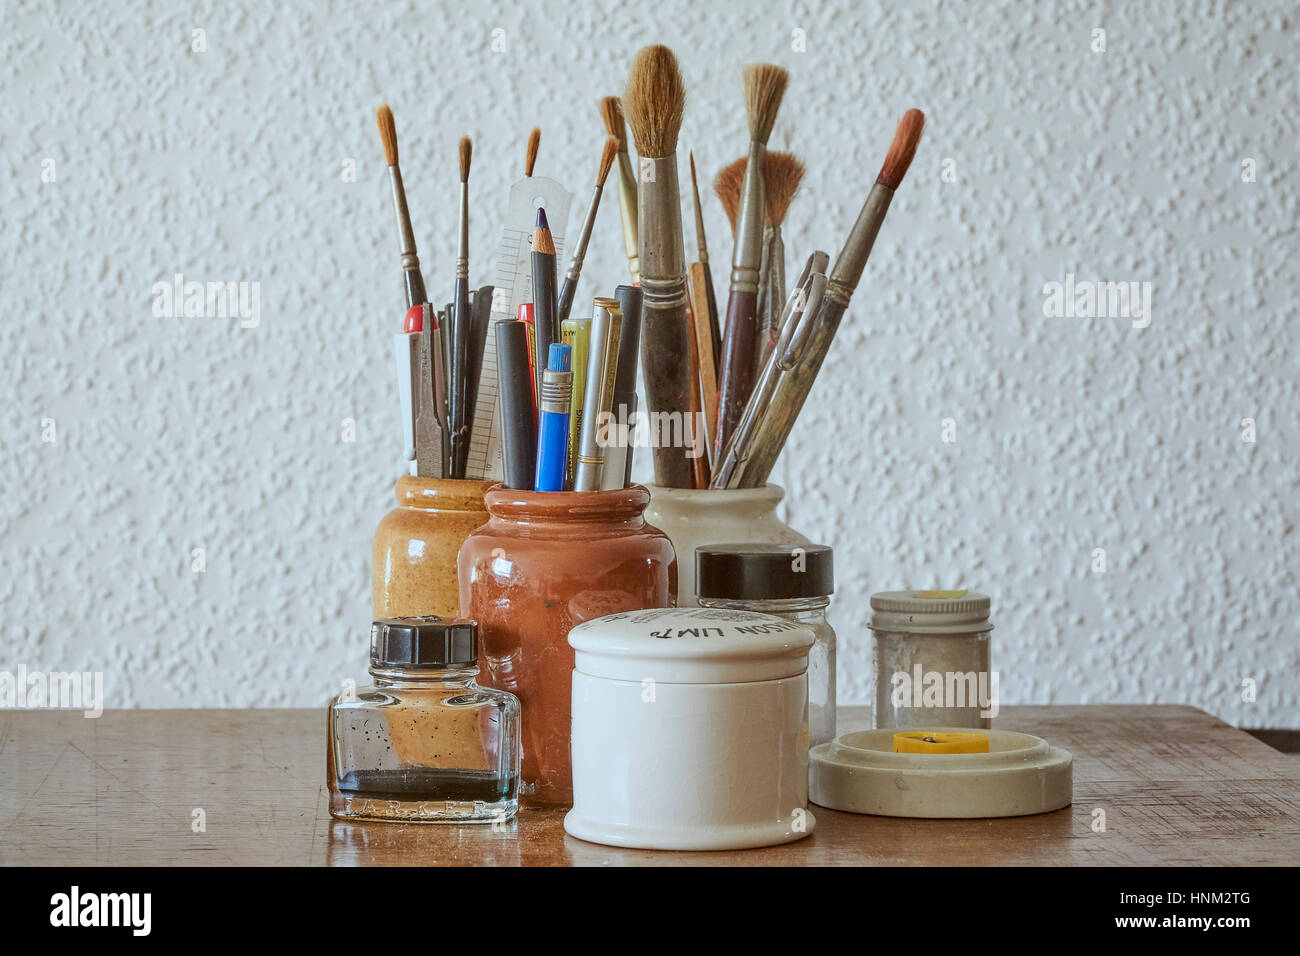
(1177,786)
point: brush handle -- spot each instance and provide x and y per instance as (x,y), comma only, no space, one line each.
(737,365)
(415,294)
(788,400)
(715,327)
(568,288)
(460,328)
(665,354)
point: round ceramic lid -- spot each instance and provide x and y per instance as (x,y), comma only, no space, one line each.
(691,645)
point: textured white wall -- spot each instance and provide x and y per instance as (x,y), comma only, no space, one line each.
(1072,434)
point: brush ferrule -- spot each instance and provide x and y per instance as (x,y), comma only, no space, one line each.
(749,224)
(584,236)
(462,243)
(847,271)
(662,248)
(627,207)
(405,238)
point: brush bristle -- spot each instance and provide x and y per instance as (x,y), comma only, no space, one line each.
(387,133)
(611,114)
(607,157)
(764,87)
(654,101)
(727,186)
(530,157)
(695,183)
(466,151)
(782,173)
(902,149)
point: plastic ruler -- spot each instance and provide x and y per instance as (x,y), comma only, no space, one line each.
(514,284)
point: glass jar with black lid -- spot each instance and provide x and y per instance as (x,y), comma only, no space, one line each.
(425,742)
(793,581)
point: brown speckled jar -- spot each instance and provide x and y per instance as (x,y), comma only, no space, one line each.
(414,567)
(544,563)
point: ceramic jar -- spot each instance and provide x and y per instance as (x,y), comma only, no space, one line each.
(413,571)
(542,564)
(692,517)
(690,730)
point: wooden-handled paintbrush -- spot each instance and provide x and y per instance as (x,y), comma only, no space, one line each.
(654,102)
(782,173)
(570,285)
(810,344)
(405,237)
(611,112)
(764,88)
(702,257)
(460,317)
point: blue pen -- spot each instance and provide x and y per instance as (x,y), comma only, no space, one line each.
(553,419)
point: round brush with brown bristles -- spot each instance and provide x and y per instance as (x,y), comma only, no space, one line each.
(654,102)
(811,341)
(611,113)
(570,285)
(405,237)
(782,173)
(764,88)
(530,153)
(727,187)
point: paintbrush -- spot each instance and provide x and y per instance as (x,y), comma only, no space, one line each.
(764,88)
(702,257)
(460,325)
(405,237)
(530,154)
(570,286)
(782,173)
(727,187)
(808,345)
(611,112)
(654,101)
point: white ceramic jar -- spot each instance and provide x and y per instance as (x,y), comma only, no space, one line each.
(690,730)
(692,517)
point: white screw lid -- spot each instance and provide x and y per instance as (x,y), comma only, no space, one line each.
(931,611)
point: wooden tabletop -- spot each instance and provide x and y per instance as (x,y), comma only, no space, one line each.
(1177,787)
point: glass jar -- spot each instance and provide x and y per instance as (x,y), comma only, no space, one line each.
(932,660)
(545,562)
(692,517)
(413,570)
(424,743)
(791,581)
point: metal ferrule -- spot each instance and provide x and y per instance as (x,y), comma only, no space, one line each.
(462,244)
(584,237)
(627,207)
(590,458)
(557,391)
(405,238)
(748,253)
(663,250)
(847,271)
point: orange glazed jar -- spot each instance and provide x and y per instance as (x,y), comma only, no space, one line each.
(544,563)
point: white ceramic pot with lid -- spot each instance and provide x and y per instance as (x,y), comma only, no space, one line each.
(690,730)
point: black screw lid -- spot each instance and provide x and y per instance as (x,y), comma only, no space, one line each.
(425,641)
(764,572)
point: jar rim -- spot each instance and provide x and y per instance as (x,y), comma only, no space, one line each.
(442,494)
(611,504)
(767,493)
